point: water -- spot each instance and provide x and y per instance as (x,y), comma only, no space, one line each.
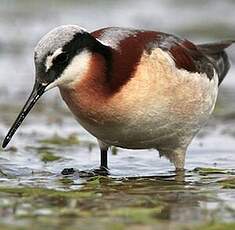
(142,190)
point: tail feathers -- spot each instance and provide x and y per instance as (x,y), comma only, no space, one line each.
(215,52)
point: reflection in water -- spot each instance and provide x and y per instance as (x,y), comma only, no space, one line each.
(142,200)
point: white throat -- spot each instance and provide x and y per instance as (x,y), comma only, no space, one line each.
(74,72)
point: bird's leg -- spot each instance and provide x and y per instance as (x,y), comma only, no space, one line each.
(178,160)
(103,155)
(177,157)
(103,159)
(102,170)
(180,175)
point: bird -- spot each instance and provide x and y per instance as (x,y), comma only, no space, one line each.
(130,88)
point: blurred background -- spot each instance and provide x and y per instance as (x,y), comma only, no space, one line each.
(24,22)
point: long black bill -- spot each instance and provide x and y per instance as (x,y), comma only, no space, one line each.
(37,92)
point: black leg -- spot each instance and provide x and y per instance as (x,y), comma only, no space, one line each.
(103,170)
(104,158)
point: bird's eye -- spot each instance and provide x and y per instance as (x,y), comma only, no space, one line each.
(61,58)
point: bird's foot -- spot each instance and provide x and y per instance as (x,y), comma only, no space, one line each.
(68,171)
(102,171)
(180,174)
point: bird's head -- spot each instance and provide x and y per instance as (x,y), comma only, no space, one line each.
(61,58)
(63,55)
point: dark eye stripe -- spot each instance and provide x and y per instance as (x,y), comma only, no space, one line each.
(79,42)
(61,58)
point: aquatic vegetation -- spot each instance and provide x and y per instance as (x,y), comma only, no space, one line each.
(228,183)
(217,226)
(208,171)
(49,156)
(58,140)
(114,150)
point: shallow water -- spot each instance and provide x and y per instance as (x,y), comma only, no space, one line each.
(142,190)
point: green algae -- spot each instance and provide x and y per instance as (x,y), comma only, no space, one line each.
(217,226)
(66,181)
(68,224)
(110,203)
(114,150)
(49,157)
(208,171)
(9,227)
(138,215)
(122,203)
(46,153)
(72,139)
(228,183)
(83,203)
(31,192)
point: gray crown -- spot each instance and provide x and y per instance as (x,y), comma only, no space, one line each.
(55,39)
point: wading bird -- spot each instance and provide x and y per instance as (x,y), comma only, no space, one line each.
(130,88)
